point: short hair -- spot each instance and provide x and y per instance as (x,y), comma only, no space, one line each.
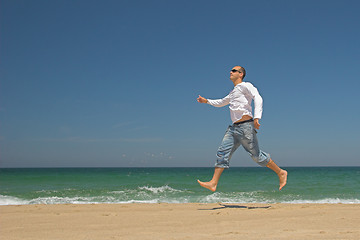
(243,71)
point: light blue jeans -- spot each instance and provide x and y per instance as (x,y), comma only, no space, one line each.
(242,134)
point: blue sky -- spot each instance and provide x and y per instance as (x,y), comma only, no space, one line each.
(114,83)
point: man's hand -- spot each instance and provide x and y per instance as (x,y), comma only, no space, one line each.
(200,99)
(256,123)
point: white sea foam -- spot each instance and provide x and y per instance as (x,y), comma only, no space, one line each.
(8,200)
(211,198)
(161,189)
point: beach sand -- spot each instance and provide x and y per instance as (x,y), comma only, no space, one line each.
(180,221)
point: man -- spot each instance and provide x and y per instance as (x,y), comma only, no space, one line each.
(242,132)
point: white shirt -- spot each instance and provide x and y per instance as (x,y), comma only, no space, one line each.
(240,99)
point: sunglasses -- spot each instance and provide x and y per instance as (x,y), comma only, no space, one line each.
(234,70)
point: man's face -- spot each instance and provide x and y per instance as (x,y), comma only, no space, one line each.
(235,73)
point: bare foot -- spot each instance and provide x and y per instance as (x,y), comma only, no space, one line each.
(208,185)
(282,178)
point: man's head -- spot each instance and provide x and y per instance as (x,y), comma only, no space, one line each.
(237,74)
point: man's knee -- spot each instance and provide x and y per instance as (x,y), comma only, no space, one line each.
(222,163)
(262,159)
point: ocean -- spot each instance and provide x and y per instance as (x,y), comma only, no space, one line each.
(177,185)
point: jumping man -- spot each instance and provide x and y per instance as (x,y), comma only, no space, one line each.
(242,132)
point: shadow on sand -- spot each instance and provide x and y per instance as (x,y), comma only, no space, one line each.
(223,206)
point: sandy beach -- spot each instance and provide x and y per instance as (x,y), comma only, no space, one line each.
(180,221)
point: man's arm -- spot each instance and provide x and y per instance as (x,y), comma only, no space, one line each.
(256,123)
(200,99)
(215,102)
(258,103)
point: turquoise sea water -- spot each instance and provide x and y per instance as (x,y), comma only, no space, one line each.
(177,185)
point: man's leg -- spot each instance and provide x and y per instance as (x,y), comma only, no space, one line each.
(251,145)
(282,174)
(214,181)
(228,146)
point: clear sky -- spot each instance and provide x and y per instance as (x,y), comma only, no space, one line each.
(113,83)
